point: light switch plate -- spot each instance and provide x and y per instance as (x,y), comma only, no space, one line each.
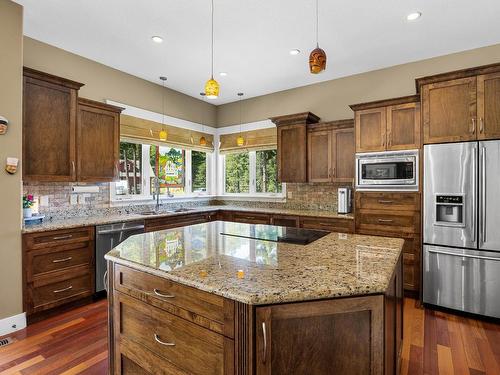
(289,194)
(73,199)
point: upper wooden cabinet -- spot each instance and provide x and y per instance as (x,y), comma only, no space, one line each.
(49,127)
(331,151)
(292,145)
(66,138)
(392,124)
(98,141)
(461,105)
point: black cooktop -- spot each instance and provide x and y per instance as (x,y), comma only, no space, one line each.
(274,233)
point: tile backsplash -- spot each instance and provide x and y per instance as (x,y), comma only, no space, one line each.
(307,196)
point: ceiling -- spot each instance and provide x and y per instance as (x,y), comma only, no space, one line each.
(253,37)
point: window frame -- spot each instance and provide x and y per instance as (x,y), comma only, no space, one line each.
(146,178)
(252,165)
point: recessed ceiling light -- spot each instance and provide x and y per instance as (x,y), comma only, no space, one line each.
(157,39)
(223,74)
(413,16)
(294,52)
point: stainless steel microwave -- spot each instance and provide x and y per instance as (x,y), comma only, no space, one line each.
(390,170)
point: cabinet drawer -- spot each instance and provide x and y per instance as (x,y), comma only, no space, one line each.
(285,221)
(60,292)
(329,224)
(176,221)
(205,309)
(380,222)
(34,241)
(250,218)
(59,258)
(388,201)
(186,345)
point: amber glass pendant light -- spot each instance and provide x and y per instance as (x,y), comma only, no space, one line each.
(240,141)
(203,140)
(163,132)
(212,86)
(317,58)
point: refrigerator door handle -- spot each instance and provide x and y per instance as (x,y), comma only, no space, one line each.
(464,255)
(483,194)
(474,210)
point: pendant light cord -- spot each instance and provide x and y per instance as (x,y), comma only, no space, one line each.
(212,39)
(317,24)
(240,95)
(163,107)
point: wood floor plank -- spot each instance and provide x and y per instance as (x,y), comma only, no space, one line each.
(458,353)
(87,364)
(470,346)
(17,368)
(445,362)
(491,366)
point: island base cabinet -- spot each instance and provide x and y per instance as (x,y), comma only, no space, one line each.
(321,337)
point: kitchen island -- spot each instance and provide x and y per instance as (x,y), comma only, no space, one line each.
(233,298)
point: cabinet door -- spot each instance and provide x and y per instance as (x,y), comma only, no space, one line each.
(321,337)
(370,125)
(449,111)
(403,126)
(292,153)
(343,155)
(49,125)
(488,107)
(319,145)
(98,142)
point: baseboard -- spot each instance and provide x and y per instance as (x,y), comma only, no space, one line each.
(12,323)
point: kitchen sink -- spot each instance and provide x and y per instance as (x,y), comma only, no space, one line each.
(148,213)
(182,210)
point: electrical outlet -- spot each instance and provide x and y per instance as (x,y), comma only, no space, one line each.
(73,199)
(289,194)
(43,201)
(81,198)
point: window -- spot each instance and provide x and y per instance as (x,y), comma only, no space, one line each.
(181,171)
(199,170)
(237,170)
(252,173)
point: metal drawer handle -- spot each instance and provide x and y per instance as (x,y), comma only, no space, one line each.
(385,201)
(120,230)
(385,220)
(62,260)
(464,255)
(65,237)
(63,290)
(264,335)
(159,294)
(159,341)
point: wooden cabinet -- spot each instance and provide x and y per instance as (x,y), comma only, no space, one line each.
(331,151)
(159,324)
(175,221)
(98,141)
(488,109)
(324,337)
(392,124)
(394,214)
(461,105)
(292,146)
(66,138)
(285,221)
(250,217)
(327,223)
(49,127)
(58,268)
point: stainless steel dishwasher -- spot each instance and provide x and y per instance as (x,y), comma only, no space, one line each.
(107,237)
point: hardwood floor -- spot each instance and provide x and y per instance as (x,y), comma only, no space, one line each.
(434,343)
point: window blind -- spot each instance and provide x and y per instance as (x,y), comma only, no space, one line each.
(146,131)
(261,139)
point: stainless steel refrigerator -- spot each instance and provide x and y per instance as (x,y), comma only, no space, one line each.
(461,252)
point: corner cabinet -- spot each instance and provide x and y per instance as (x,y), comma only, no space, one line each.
(462,105)
(49,127)
(388,125)
(292,145)
(66,138)
(98,141)
(331,151)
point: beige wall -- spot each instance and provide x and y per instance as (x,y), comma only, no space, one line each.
(102,82)
(10,145)
(330,100)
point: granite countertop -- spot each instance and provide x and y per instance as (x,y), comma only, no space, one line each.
(114,218)
(336,265)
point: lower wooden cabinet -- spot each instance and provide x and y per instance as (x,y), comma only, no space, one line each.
(58,268)
(167,222)
(285,221)
(250,217)
(328,224)
(394,214)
